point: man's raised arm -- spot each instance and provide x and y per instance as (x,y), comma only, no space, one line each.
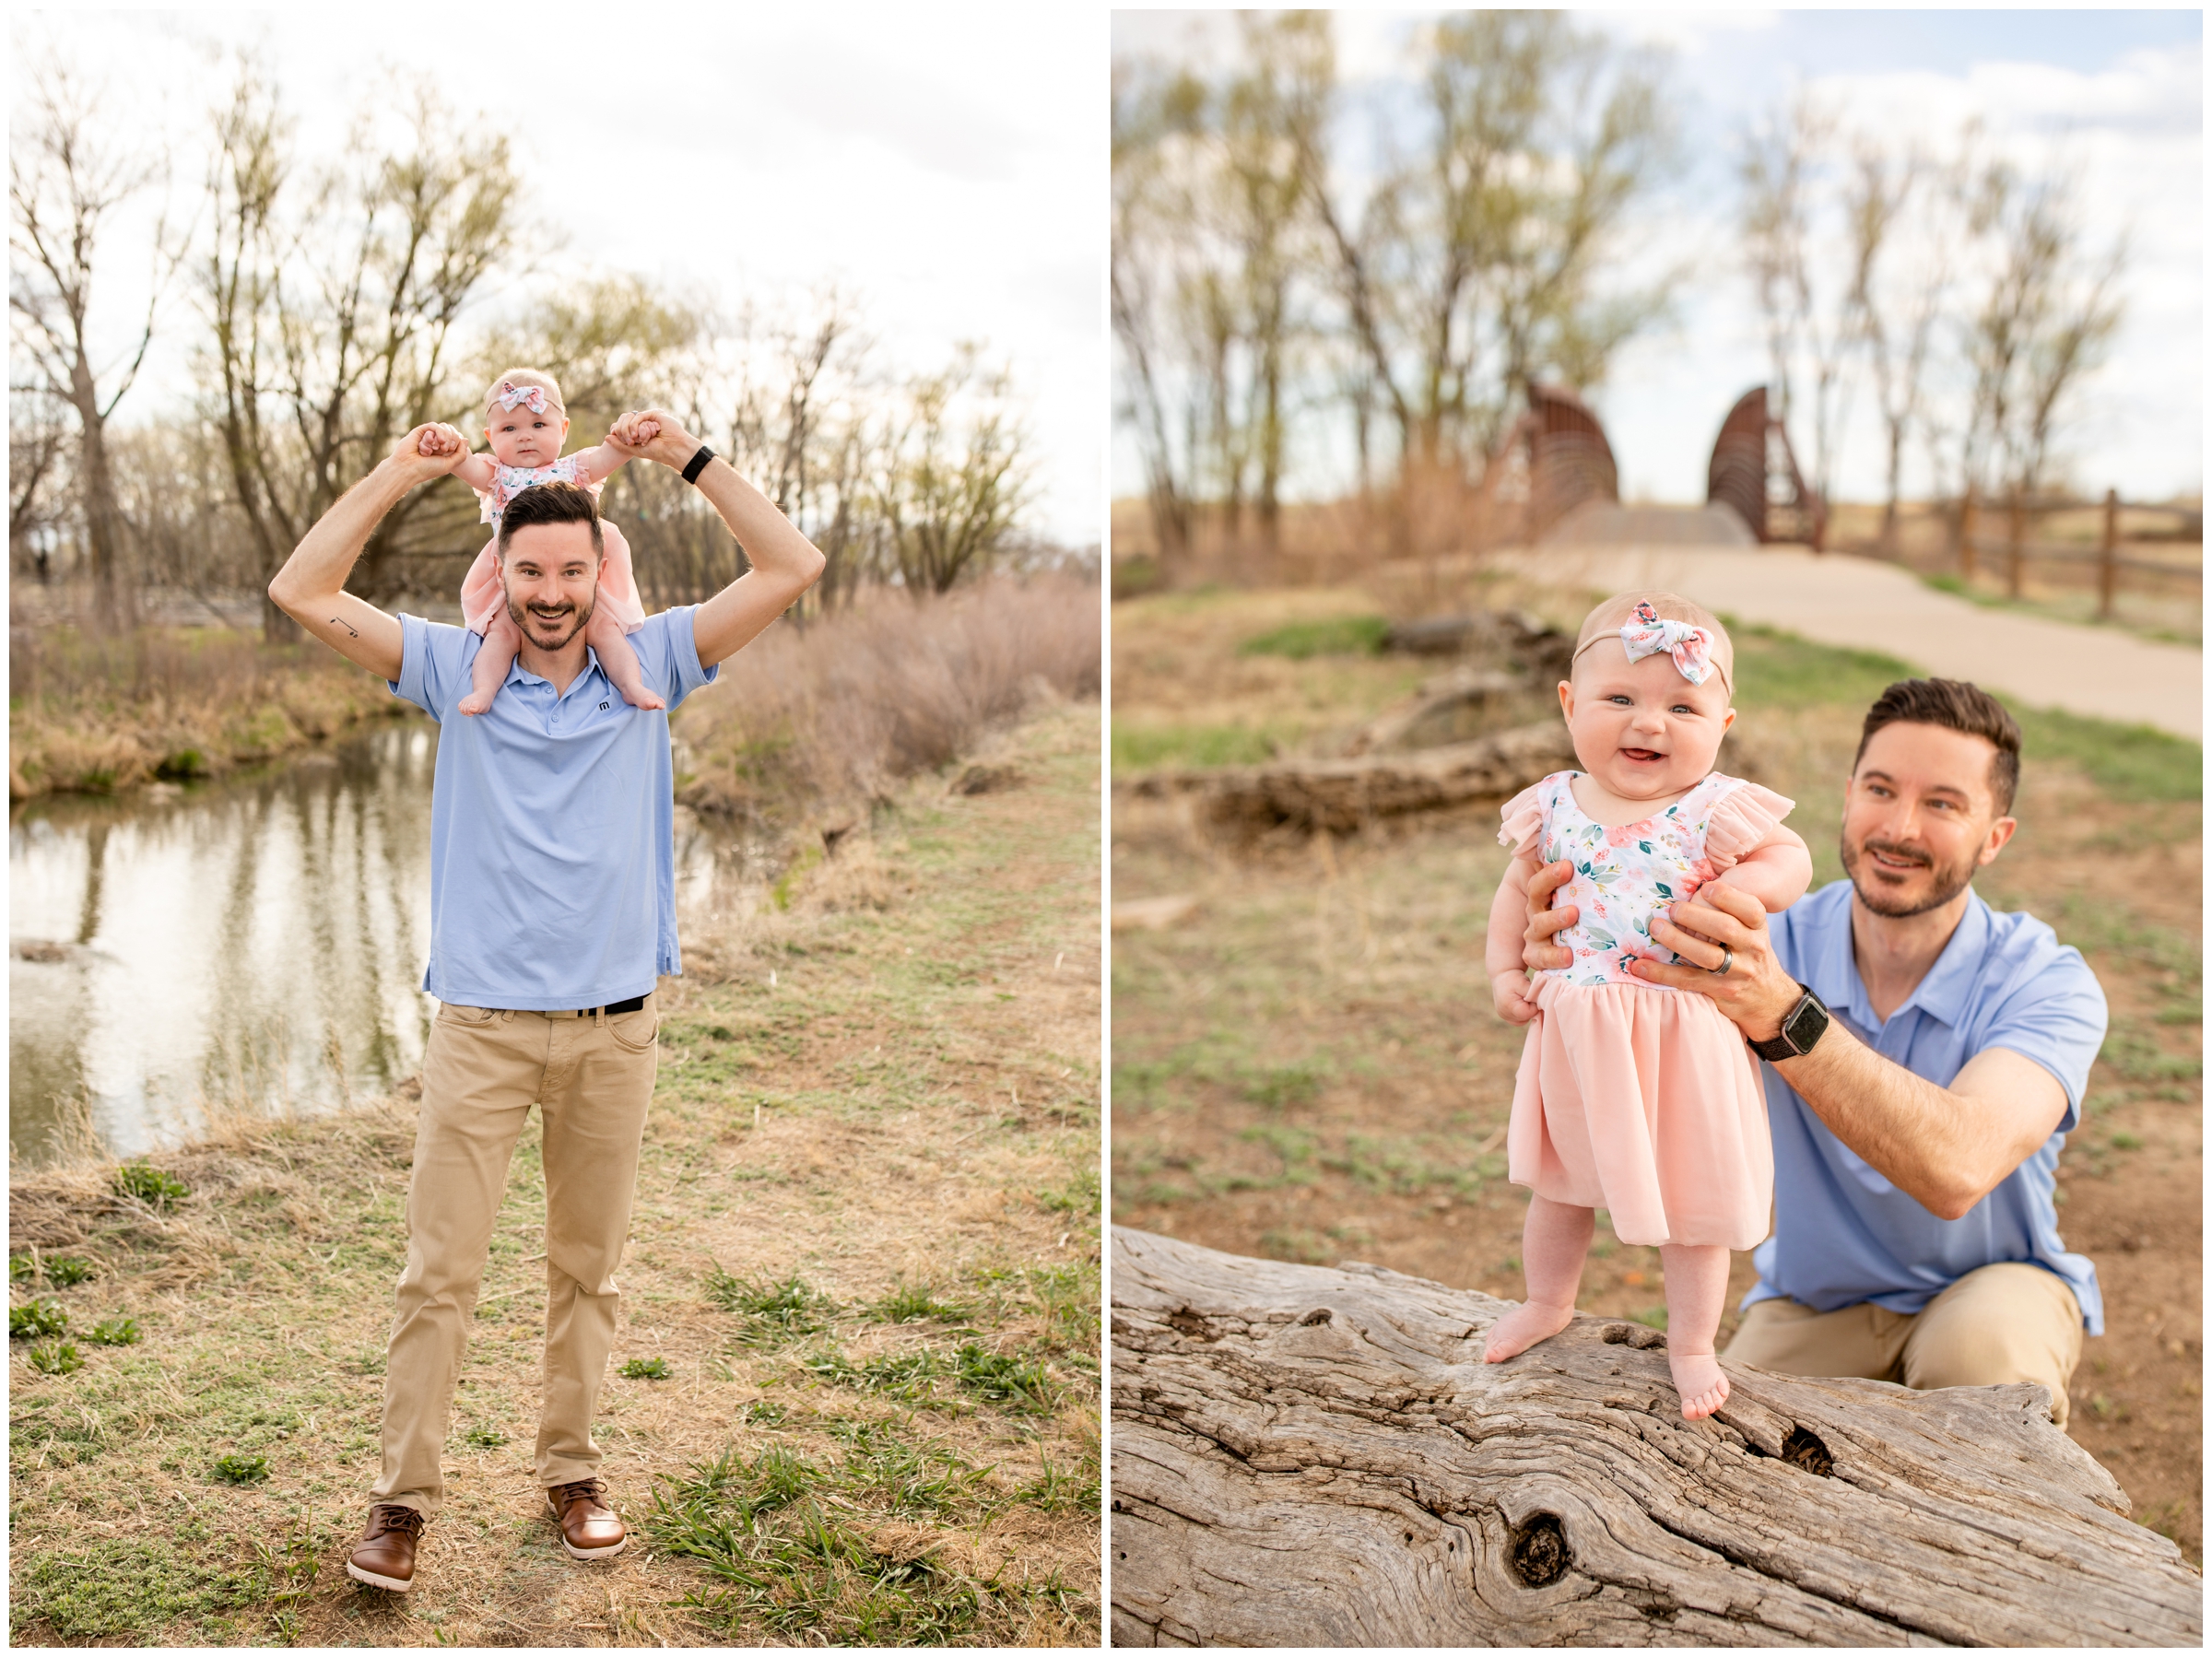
(785,563)
(311,588)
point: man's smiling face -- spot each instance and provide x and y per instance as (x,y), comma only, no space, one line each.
(551,574)
(1920,817)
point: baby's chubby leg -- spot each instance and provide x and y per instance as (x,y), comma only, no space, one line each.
(1553,1245)
(489,671)
(1696,1285)
(603,634)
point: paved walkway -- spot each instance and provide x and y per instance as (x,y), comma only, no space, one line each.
(2101,672)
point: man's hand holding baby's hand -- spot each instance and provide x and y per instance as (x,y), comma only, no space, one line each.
(1514,996)
(653,435)
(430,450)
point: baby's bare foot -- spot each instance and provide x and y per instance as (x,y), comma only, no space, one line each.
(1699,1379)
(476,702)
(645,700)
(1522,1328)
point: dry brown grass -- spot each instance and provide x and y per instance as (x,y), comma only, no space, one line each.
(834,715)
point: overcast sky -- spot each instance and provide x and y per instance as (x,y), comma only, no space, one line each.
(2118,94)
(945,164)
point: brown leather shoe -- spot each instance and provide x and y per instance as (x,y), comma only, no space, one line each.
(589,1528)
(384,1557)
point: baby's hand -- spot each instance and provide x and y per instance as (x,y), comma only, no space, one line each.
(1514,995)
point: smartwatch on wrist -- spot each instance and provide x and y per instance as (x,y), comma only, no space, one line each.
(1802,1026)
(698,463)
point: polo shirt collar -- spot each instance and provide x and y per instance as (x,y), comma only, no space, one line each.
(515,670)
(1943,994)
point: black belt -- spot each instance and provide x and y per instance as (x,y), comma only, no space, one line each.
(634,1004)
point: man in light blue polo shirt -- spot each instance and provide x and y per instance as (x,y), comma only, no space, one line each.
(552,916)
(1926,1058)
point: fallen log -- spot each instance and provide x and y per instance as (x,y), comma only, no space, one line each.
(1342,795)
(1306,1456)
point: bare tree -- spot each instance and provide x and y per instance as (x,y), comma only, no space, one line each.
(334,301)
(1148,115)
(1783,163)
(1475,269)
(64,188)
(954,476)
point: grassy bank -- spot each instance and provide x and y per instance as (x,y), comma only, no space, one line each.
(94,715)
(856,1393)
(1306,1066)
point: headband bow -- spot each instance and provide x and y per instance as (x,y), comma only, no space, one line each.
(1650,634)
(511,397)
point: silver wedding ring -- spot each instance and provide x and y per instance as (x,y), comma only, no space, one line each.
(1727,963)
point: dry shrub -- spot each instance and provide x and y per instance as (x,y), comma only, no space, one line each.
(834,714)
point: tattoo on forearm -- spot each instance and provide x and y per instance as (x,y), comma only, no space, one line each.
(336,622)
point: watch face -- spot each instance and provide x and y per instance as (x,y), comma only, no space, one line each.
(1804,1024)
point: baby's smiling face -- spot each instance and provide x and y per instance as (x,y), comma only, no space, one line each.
(1640,730)
(521,438)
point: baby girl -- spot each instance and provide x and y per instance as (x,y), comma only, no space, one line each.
(1632,1097)
(527,427)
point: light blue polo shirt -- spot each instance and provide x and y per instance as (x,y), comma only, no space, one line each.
(552,823)
(1843,1233)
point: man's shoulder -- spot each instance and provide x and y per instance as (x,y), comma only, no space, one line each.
(2020,948)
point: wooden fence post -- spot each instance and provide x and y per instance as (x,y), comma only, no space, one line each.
(2016,531)
(2107,556)
(1968,512)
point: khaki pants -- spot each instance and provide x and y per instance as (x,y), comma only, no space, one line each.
(591,1079)
(2005,1323)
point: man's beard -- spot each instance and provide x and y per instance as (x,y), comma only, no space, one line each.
(522,618)
(1945,884)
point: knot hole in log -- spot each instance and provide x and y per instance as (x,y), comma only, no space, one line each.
(1804,1450)
(1539,1553)
(1633,1338)
(1320,1314)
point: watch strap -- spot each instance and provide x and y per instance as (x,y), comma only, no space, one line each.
(697,464)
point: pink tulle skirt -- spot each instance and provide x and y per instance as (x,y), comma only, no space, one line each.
(1646,1104)
(482,596)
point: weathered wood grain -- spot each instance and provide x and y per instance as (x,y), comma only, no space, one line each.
(1312,1456)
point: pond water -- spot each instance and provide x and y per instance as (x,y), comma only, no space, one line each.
(256,945)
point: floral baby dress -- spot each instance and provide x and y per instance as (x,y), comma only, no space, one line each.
(1632,1097)
(482,596)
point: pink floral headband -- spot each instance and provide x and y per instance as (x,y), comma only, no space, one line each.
(511,397)
(1648,633)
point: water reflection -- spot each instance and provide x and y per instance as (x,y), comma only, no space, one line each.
(253,946)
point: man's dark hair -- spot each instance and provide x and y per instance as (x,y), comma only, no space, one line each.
(1955,706)
(551,503)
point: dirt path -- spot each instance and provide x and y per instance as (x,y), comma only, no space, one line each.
(1849,600)
(860,1311)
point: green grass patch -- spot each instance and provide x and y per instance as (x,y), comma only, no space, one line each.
(1141,747)
(115,1332)
(774,1311)
(647,1369)
(1775,669)
(915,1303)
(1006,1378)
(57,1357)
(1337,636)
(2129,762)
(121,1591)
(58,1271)
(35,1320)
(147,1184)
(237,1469)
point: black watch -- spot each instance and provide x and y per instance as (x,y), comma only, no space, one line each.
(698,463)
(1802,1026)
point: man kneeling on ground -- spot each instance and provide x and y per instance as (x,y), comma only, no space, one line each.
(1925,1057)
